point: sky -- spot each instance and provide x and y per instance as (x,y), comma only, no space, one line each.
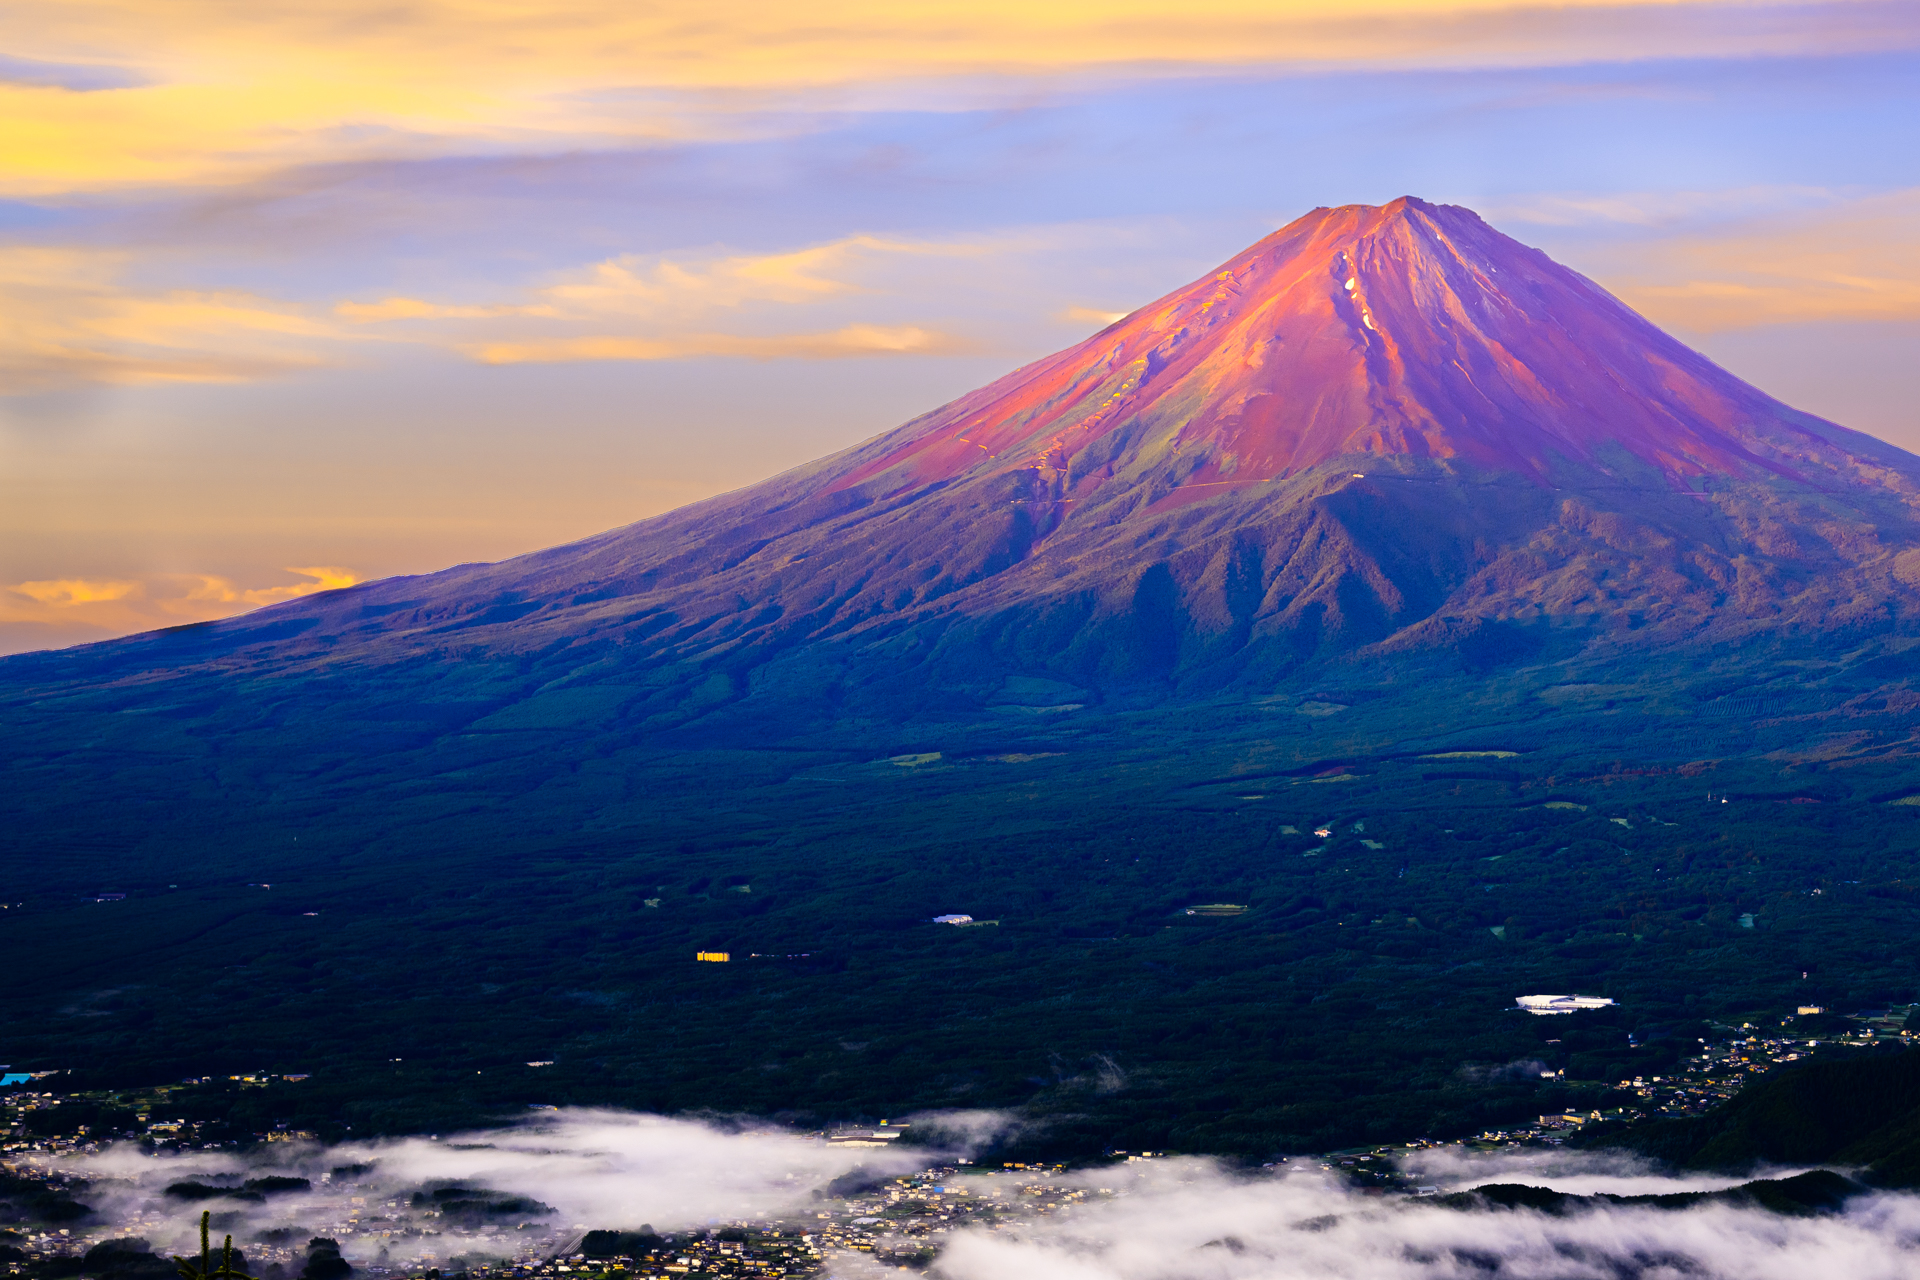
(299,293)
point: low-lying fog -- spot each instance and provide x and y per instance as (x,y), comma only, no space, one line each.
(539,1184)
(548,1178)
(1182,1219)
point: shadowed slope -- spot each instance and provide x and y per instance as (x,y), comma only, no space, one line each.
(1863,1114)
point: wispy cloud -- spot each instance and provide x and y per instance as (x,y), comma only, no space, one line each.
(1633,211)
(67,319)
(1092,315)
(54,611)
(656,307)
(76,77)
(1712,262)
(664,288)
(218,99)
(415,309)
(633,283)
(64,593)
(853,340)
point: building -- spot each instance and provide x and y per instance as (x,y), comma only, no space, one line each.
(883,1136)
(1543,1005)
(953,919)
(715,957)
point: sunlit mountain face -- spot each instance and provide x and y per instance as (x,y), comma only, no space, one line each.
(1405,330)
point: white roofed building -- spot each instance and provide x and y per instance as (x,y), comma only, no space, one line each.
(1560,1004)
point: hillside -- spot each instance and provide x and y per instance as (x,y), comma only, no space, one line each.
(1861,1115)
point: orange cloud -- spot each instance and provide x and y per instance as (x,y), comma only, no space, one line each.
(415,309)
(64,593)
(632,283)
(65,320)
(212,590)
(668,289)
(853,340)
(636,307)
(1093,316)
(213,95)
(1846,260)
(74,610)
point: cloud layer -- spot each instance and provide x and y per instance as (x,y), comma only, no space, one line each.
(1180,1219)
(1165,1219)
(591,1169)
(195,90)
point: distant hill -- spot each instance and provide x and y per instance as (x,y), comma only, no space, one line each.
(1862,1114)
(1817,1191)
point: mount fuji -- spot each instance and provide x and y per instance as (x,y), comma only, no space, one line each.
(1381,431)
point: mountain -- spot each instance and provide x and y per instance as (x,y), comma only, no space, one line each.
(1381,430)
(1587,666)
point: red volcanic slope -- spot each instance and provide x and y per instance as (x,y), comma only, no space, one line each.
(1407,328)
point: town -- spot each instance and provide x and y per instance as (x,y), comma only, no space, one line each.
(1716,1073)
